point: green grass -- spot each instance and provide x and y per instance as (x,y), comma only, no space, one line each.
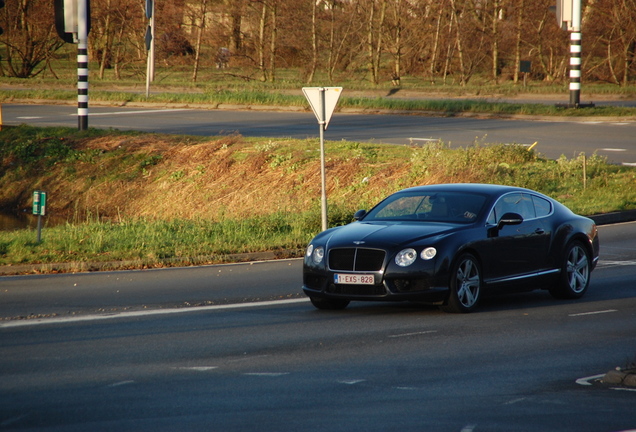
(237,86)
(262,98)
(154,242)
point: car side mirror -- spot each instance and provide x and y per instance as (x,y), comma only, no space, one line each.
(359,214)
(509,219)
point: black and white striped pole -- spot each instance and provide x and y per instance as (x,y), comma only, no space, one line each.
(82,64)
(568,14)
(575,55)
(73,23)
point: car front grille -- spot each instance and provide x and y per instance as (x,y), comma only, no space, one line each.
(356,259)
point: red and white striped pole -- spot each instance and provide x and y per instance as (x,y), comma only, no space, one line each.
(82,64)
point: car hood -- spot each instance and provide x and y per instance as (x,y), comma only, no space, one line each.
(385,234)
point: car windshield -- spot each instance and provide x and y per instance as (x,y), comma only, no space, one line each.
(453,207)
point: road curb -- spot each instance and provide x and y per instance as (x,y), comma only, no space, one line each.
(626,378)
(614,217)
(82,267)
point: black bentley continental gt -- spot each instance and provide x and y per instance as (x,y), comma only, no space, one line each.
(448,245)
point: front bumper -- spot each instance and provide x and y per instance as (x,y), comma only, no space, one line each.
(416,287)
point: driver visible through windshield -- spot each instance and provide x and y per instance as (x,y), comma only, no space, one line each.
(438,207)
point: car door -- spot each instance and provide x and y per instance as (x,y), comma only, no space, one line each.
(516,250)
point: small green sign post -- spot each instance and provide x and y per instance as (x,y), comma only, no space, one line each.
(39,209)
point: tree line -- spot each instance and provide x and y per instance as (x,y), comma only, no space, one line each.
(376,40)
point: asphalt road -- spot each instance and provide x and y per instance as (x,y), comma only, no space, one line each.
(614,139)
(124,352)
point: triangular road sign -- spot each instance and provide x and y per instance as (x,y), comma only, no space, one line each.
(323,101)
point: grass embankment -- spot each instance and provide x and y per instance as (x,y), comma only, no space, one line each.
(164,198)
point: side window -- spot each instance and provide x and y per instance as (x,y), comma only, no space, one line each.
(542,207)
(512,203)
(526,208)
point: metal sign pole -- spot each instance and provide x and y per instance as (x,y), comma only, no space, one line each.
(323,172)
(323,101)
(39,228)
(39,209)
(150,45)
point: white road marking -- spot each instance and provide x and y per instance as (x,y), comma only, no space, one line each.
(198,368)
(351,382)
(267,374)
(603,263)
(613,149)
(629,163)
(135,314)
(413,334)
(158,111)
(121,383)
(514,401)
(586,380)
(593,313)
(29,118)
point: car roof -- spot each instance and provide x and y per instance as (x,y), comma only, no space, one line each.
(483,188)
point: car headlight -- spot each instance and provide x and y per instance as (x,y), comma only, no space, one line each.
(310,250)
(406,257)
(318,254)
(428,253)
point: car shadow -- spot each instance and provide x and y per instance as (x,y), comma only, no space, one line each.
(491,303)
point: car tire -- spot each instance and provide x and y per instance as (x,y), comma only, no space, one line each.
(576,269)
(465,285)
(329,304)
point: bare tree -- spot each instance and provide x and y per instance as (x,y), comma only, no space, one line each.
(395,30)
(497,11)
(375,27)
(198,18)
(261,40)
(273,38)
(547,44)
(437,40)
(235,8)
(454,39)
(612,54)
(314,41)
(458,15)
(29,37)
(518,38)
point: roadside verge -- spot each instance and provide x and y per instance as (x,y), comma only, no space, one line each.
(77,267)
